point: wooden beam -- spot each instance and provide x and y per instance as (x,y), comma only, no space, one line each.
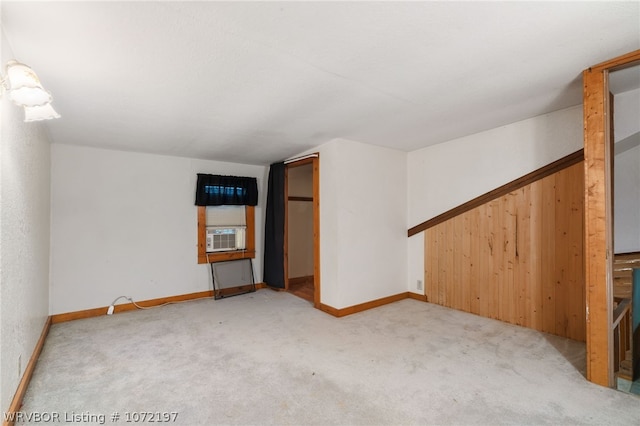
(618,63)
(202,234)
(597,228)
(316,231)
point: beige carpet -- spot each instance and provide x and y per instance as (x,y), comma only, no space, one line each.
(270,358)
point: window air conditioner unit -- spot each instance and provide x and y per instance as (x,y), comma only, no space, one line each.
(225,238)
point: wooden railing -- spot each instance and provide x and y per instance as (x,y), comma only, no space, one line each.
(622,310)
(622,339)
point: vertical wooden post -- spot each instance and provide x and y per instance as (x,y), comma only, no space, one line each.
(286,227)
(597,227)
(316,232)
(598,217)
(202,234)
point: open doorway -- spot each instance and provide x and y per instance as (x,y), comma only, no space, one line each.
(302,276)
(624,86)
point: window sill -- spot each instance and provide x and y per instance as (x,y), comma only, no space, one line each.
(226,255)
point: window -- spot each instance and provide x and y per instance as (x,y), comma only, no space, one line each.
(216,193)
(250,243)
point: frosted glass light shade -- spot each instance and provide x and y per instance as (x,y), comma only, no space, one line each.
(41,112)
(25,87)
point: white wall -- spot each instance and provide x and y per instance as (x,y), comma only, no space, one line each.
(627,172)
(443,176)
(24,239)
(626,114)
(363,223)
(125,223)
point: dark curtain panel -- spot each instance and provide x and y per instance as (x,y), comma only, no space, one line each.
(217,190)
(274,228)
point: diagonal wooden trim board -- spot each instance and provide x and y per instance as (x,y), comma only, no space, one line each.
(542,172)
(16,403)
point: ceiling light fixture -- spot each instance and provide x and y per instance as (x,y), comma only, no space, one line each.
(25,90)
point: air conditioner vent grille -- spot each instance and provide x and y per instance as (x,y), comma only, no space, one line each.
(225,238)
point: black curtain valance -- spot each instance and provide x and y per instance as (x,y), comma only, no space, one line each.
(218,190)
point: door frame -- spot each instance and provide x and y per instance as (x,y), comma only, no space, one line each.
(598,209)
(314,160)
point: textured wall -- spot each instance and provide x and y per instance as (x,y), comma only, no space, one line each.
(363,224)
(125,223)
(24,240)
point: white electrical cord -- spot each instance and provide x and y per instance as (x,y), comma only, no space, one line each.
(112,306)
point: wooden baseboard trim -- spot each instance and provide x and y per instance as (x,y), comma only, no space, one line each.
(364,306)
(301,280)
(16,403)
(416,296)
(96,312)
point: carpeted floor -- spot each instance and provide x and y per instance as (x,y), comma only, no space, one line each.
(270,358)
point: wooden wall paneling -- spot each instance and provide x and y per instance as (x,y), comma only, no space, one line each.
(521,273)
(577,321)
(516,258)
(574,268)
(428,265)
(572,184)
(510,252)
(535,257)
(474,256)
(509,248)
(432,252)
(562,273)
(455,262)
(451,262)
(548,256)
(466,265)
(496,284)
(442,273)
(482,259)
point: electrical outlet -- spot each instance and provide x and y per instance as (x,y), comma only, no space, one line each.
(419,285)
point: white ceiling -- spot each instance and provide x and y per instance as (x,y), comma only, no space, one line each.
(259,82)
